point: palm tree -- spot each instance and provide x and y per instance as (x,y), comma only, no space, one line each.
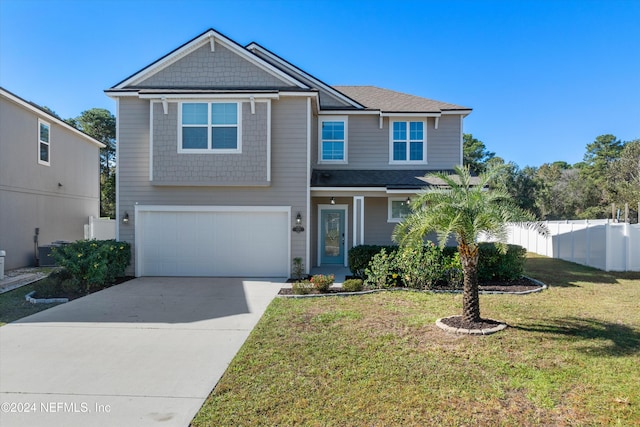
(463,207)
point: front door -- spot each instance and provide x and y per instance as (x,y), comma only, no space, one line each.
(332,238)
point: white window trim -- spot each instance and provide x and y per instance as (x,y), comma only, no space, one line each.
(390,200)
(48,143)
(237,150)
(424,143)
(344,119)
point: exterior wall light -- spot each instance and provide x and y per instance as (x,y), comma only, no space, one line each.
(408,201)
(333,201)
(125,218)
(298,228)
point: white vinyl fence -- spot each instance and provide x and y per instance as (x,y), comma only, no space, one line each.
(100,229)
(601,244)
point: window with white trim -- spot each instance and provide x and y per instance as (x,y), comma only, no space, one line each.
(333,139)
(44,143)
(211,127)
(398,209)
(407,142)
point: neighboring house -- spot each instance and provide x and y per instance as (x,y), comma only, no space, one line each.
(226,152)
(49,180)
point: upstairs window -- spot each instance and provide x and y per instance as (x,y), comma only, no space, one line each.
(210,127)
(44,143)
(333,139)
(407,142)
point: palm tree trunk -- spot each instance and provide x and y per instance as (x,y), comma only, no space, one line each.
(469,255)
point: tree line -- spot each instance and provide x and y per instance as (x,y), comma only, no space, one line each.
(608,174)
(100,124)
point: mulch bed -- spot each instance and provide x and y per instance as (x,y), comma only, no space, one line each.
(519,285)
(459,322)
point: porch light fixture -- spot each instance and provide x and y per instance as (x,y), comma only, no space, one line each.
(408,201)
(298,228)
(333,201)
(125,218)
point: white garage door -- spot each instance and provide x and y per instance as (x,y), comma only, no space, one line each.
(214,241)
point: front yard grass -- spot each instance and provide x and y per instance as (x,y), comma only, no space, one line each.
(569,357)
(14,306)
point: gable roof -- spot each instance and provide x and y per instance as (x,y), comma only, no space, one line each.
(210,36)
(35,108)
(388,101)
(298,73)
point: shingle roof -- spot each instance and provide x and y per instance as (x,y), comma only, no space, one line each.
(391,101)
(392,179)
(413,179)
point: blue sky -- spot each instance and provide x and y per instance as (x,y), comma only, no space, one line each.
(544,78)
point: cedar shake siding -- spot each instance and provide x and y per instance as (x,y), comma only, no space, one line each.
(288,169)
(248,168)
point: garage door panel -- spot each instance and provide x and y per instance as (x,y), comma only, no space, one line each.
(213,243)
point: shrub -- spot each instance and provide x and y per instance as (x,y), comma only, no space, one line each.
(93,264)
(421,266)
(302,287)
(382,272)
(361,256)
(322,282)
(58,284)
(495,265)
(353,285)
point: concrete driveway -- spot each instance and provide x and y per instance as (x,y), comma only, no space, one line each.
(144,353)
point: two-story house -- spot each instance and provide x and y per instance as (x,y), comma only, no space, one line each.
(49,180)
(233,162)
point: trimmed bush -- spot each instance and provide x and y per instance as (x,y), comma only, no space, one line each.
(93,264)
(322,283)
(353,285)
(361,256)
(302,287)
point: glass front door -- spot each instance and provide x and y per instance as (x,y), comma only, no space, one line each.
(332,236)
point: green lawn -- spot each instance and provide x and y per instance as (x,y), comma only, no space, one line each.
(13,305)
(571,356)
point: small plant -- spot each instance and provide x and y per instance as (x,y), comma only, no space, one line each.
(353,285)
(322,282)
(382,272)
(302,287)
(298,268)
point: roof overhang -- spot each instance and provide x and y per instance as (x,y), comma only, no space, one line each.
(27,105)
(210,37)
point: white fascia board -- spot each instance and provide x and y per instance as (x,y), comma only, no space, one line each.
(115,94)
(294,69)
(403,191)
(303,94)
(345,112)
(256,96)
(198,43)
(16,99)
(457,112)
(347,189)
(383,114)
(210,208)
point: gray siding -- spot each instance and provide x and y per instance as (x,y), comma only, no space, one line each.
(377,231)
(368,145)
(288,169)
(219,69)
(30,196)
(248,168)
